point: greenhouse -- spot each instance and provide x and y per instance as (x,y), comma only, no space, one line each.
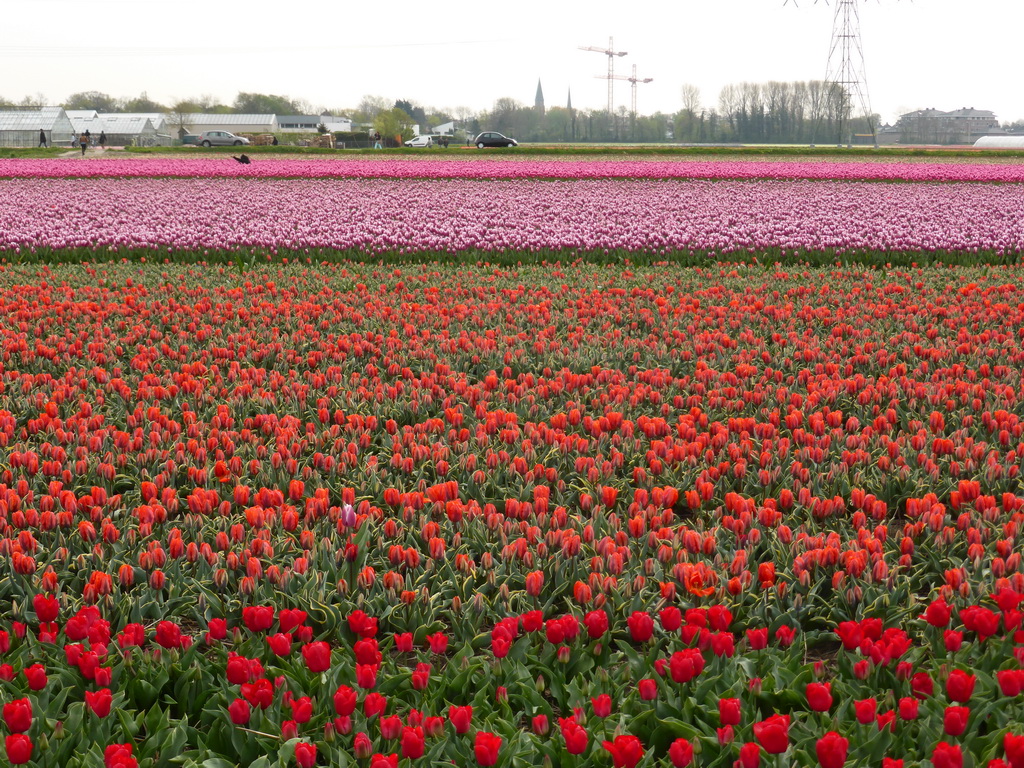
(20,127)
(1000,142)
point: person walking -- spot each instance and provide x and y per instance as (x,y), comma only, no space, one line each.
(376,140)
(103,139)
(83,140)
(42,138)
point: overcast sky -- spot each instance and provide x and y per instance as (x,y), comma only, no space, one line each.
(945,54)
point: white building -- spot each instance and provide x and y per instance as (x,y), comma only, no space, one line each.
(309,123)
(20,127)
(1000,142)
(122,129)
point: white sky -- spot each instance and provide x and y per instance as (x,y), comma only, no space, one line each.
(945,54)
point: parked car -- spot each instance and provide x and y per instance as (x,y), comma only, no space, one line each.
(420,141)
(221,139)
(493,139)
(190,138)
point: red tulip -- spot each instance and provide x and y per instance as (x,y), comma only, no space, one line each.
(460,718)
(954,720)
(362,747)
(240,711)
(19,748)
(540,725)
(533,621)
(290,618)
(280,644)
(671,618)
(412,742)
(534,583)
(345,700)
(99,701)
(641,626)
(36,677)
(680,752)
(922,685)
(18,715)
(374,704)
(317,656)
(960,686)
(384,761)
(1011,681)
(46,608)
(831,750)
(485,748)
(938,613)
(602,705)
(773,734)
(119,756)
(819,696)
(596,623)
(366,675)
(947,755)
(626,750)
(575,735)
(390,727)
(908,708)
(686,664)
(648,689)
(757,638)
(750,755)
(729,711)
(302,709)
(866,710)
(258,618)
(1013,745)
(305,754)
(438,642)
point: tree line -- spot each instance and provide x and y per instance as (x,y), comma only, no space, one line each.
(749,112)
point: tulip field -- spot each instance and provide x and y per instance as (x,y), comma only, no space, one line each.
(426,468)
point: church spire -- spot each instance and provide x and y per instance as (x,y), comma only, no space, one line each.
(538,102)
(568,103)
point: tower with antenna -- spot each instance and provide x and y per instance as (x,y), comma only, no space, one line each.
(611,53)
(846,83)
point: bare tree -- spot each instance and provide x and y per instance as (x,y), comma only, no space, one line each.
(729,103)
(36,100)
(691,98)
(370,106)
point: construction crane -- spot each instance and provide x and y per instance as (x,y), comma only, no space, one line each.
(611,53)
(631,79)
(845,76)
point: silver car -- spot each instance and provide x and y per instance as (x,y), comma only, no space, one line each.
(220,139)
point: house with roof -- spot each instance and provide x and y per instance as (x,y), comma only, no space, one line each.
(933,126)
(20,127)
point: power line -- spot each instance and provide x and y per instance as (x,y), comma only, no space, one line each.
(62,50)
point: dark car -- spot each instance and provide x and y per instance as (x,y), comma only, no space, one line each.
(492,139)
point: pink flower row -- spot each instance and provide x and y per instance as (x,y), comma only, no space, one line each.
(375,215)
(225,166)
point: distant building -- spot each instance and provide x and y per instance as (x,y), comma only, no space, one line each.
(538,101)
(197,122)
(123,129)
(309,123)
(20,127)
(961,126)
